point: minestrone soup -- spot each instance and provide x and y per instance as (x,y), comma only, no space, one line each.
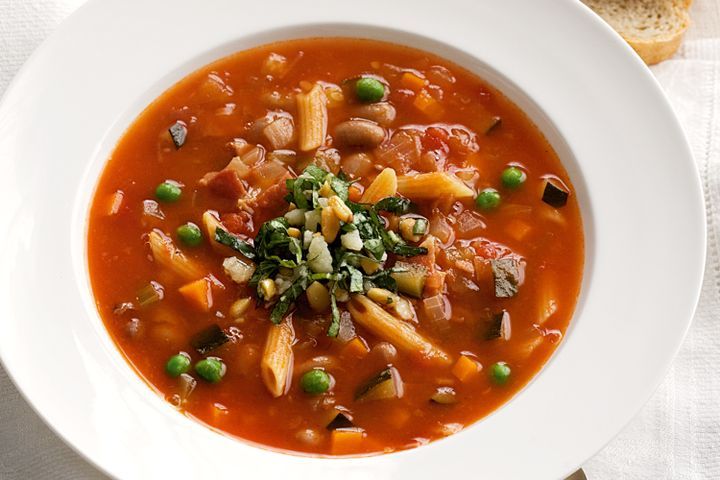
(335,246)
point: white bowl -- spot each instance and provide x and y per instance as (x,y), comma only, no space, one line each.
(597,104)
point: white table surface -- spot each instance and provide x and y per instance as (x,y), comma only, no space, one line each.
(677,434)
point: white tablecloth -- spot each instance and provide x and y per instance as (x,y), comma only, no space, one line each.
(677,434)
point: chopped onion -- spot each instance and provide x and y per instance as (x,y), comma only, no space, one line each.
(186,385)
(436,308)
(296,217)
(307,238)
(152,209)
(440,228)
(352,240)
(347,328)
(470,224)
(312,220)
(239,271)
(319,256)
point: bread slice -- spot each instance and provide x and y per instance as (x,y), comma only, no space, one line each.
(654,28)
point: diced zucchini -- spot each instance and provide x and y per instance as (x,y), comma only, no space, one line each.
(385,385)
(411,280)
(420,227)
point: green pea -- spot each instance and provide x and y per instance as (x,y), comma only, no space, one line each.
(488,199)
(168,191)
(190,234)
(500,372)
(178,364)
(316,381)
(369,90)
(211,369)
(513,177)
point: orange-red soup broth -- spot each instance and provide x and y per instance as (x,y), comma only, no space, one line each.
(498,275)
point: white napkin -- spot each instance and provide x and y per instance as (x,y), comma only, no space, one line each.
(676,436)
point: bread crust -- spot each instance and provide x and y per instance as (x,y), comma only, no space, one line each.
(651,48)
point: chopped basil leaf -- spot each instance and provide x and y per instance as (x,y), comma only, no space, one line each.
(290,295)
(375,247)
(334,327)
(227,239)
(395,205)
(409,250)
(355,283)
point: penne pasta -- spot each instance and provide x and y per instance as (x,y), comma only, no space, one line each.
(168,256)
(403,336)
(277,359)
(432,185)
(384,185)
(312,117)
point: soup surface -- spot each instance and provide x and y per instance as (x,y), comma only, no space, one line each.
(335,246)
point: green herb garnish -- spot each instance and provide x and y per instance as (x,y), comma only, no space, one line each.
(287,260)
(227,239)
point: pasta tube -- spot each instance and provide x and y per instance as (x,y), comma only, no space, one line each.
(312,117)
(371,316)
(277,359)
(168,256)
(384,185)
(432,185)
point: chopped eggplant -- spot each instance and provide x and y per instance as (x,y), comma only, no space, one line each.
(444,396)
(341,420)
(410,278)
(385,385)
(554,193)
(209,339)
(178,132)
(507,272)
(499,326)
(492,124)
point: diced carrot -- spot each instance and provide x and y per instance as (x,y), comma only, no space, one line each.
(355,192)
(428,105)
(346,440)
(465,369)
(412,81)
(356,347)
(199,294)
(115,202)
(518,229)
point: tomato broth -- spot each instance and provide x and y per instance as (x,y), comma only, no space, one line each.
(425,265)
